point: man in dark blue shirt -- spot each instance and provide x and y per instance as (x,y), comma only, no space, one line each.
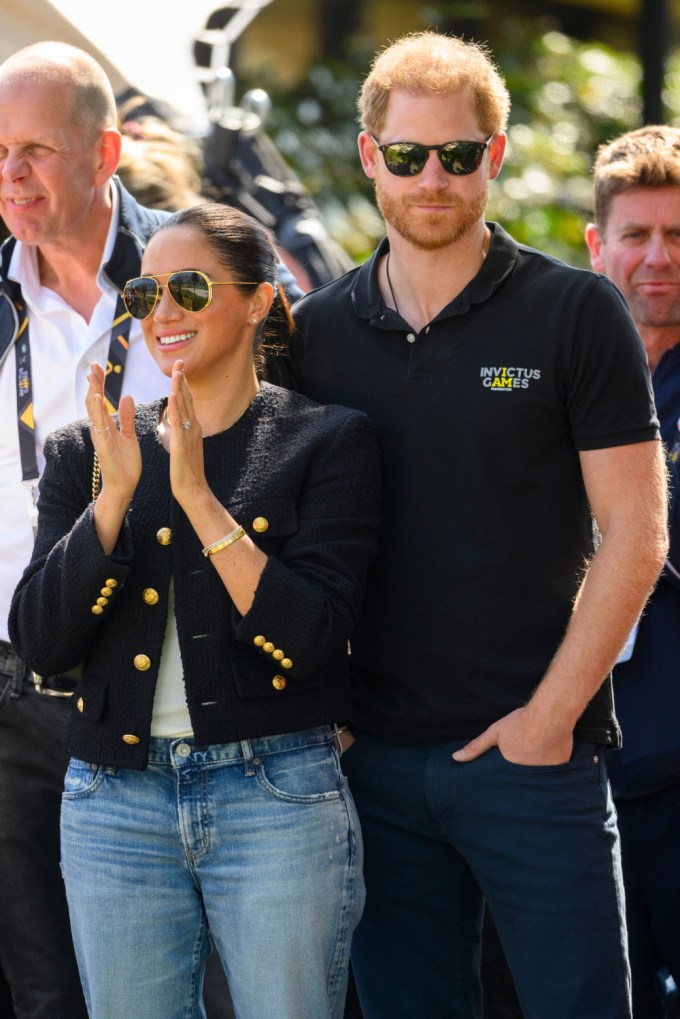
(636,242)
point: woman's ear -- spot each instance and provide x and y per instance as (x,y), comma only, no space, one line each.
(260,303)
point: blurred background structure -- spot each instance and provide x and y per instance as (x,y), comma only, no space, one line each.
(580,72)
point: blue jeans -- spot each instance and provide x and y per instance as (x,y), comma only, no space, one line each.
(540,844)
(256,840)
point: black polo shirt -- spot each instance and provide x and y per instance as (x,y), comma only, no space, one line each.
(486,527)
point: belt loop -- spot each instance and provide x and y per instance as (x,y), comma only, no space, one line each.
(247,750)
(336,734)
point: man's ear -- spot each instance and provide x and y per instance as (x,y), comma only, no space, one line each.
(368,153)
(595,245)
(496,153)
(108,154)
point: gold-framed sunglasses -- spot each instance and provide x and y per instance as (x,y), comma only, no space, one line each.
(190,289)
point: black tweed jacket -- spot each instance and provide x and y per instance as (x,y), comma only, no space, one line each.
(303,480)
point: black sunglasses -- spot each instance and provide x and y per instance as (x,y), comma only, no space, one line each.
(189,288)
(406,159)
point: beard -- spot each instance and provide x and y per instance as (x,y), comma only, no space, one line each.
(432,231)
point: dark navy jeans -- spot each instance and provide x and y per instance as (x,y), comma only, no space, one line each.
(540,844)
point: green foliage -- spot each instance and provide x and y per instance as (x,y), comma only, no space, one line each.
(568,98)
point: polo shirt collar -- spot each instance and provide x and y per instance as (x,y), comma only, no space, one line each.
(499,263)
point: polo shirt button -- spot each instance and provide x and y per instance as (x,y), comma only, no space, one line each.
(411,337)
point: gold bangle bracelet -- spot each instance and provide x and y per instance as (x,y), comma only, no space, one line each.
(221,543)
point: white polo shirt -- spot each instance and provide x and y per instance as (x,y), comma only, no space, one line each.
(63,346)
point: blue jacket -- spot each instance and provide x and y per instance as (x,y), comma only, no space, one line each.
(647,687)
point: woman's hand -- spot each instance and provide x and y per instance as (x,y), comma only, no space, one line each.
(187,472)
(117,448)
(119,456)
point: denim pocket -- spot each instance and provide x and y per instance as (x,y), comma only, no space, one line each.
(82,778)
(304,775)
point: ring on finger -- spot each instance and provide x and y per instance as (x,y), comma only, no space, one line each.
(186,424)
(98,430)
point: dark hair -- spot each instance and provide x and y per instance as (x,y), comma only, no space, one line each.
(247,251)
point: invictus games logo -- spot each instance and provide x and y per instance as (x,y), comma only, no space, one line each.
(506,379)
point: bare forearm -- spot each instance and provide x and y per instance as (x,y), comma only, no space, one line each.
(241,563)
(612,595)
(626,487)
(109,514)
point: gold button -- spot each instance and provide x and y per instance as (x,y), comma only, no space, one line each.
(107,591)
(268,647)
(97,609)
(150,596)
(130,739)
(164,536)
(279,682)
(142,662)
(259,640)
(278,654)
(80,704)
(112,583)
(102,601)
(260,524)
(286,663)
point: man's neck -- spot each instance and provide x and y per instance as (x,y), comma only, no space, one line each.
(69,266)
(657,340)
(423,281)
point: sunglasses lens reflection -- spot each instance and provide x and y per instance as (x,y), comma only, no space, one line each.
(462,157)
(406,159)
(140,296)
(190,290)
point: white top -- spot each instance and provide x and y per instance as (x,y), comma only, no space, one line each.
(63,346)
(170,718)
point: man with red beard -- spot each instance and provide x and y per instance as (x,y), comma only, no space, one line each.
(513,405)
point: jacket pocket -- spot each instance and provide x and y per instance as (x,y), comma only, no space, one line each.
(256,679)
(89,698)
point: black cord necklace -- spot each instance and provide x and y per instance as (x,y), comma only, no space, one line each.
(389,283)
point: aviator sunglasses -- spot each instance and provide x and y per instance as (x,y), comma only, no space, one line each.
(190,289)
(406,159)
